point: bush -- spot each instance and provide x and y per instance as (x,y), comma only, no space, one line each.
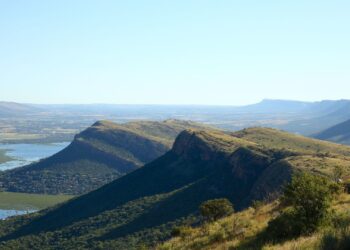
(181,231)
(309,198)
(213,210)
(256,204)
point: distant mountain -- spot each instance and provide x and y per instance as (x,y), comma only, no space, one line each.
(276,106)
(142,207)
(97,155)
(13,108)
(315,117)
(305,118)
(339,133)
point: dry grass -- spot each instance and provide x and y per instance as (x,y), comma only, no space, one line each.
(240,231)
(273,138)
(321,165)
(225,233)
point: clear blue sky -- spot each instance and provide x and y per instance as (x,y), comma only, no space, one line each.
(174,52)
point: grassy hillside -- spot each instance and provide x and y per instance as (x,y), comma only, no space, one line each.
(24,201)
(143,206)
(277,139)
(339,133)
(98,155)
(241,231)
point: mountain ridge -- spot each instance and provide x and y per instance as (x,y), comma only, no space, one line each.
(97,155)
(145,204)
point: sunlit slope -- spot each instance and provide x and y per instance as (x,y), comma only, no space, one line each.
(241,230)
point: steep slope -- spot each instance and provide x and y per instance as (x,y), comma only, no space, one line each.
(339,133)
(96,156)
(144,205)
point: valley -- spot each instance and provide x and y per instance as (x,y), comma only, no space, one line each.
(22,203)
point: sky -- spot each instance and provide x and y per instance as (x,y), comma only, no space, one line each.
(174,52)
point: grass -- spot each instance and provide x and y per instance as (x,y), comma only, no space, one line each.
(273,138)
(23,201)
(320,165)
(241,231)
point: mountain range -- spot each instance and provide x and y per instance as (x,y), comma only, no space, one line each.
(306,118)
(143,206)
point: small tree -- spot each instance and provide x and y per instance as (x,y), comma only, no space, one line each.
(213,210)
(308,198)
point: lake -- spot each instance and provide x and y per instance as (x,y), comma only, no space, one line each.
(7,213)
(24,154)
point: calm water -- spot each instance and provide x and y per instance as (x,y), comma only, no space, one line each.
(24,154)
(7,213)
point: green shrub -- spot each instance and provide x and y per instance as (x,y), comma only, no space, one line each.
(309,198)
(256,204)
(218,236)
(181,231)
(213,210)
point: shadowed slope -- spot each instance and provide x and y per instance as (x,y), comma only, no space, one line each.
(339,133)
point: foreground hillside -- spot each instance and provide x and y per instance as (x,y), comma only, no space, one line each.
(339,133)
(242,230)
(142,207)
(98,155)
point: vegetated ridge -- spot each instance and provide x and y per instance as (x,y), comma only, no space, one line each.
(97,155)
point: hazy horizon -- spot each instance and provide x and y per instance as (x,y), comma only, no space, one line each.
(184,104)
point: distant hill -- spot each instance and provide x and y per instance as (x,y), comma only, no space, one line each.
(13,108)
(319,116)
(339,133)
(276,106)
(143,206)
(97,155)
(304,118)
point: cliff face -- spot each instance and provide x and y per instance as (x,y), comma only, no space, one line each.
(191,146)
